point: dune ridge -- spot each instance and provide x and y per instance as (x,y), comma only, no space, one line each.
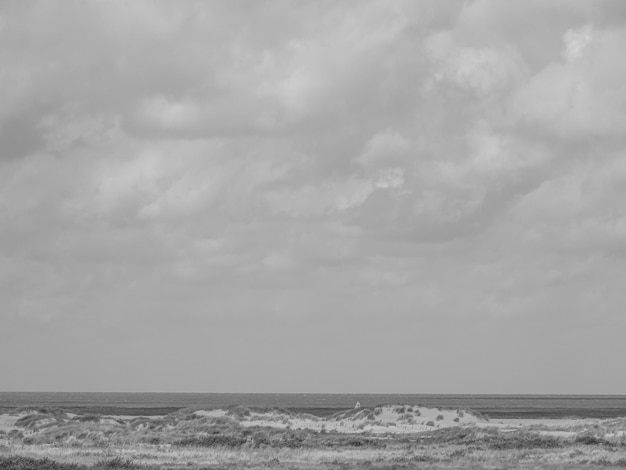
(41,425)
(241,437)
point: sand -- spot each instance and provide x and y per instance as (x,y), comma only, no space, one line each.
(383,436)
(7,421)
(386,419)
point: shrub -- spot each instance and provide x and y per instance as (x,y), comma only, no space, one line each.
(16,462)
(88,418)
(439,417)
(356,442)
(238,412)
(15,434)
(260,438)
(335,441)
(293,439)
(524,441)
(115,463)
(29,420)
(211,441)
(430,423)
(458,453)
(457,435)
(588,439)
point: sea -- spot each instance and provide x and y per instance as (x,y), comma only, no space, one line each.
(319,404)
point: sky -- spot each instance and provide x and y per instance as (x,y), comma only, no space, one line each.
(313,196)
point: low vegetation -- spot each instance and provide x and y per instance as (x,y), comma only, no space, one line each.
(241,438)
(16,462)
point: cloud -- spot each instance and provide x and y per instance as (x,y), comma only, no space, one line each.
(579,97)
(576,41)
(480,71)
(303,167)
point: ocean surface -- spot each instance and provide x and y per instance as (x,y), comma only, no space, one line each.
(494,406)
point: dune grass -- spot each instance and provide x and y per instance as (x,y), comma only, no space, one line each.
(432,457)
(233,439)
(17,462)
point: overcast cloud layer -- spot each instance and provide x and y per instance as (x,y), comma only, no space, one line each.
(377,196)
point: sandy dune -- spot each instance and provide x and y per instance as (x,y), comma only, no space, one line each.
(242,437)
(387,419)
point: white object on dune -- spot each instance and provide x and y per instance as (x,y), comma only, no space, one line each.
(358,405)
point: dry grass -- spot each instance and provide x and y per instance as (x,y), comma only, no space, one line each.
(197,439)
(432,457)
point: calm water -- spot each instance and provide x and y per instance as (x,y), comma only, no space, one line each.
(495,406)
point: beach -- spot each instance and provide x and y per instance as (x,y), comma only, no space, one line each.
(386,436)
